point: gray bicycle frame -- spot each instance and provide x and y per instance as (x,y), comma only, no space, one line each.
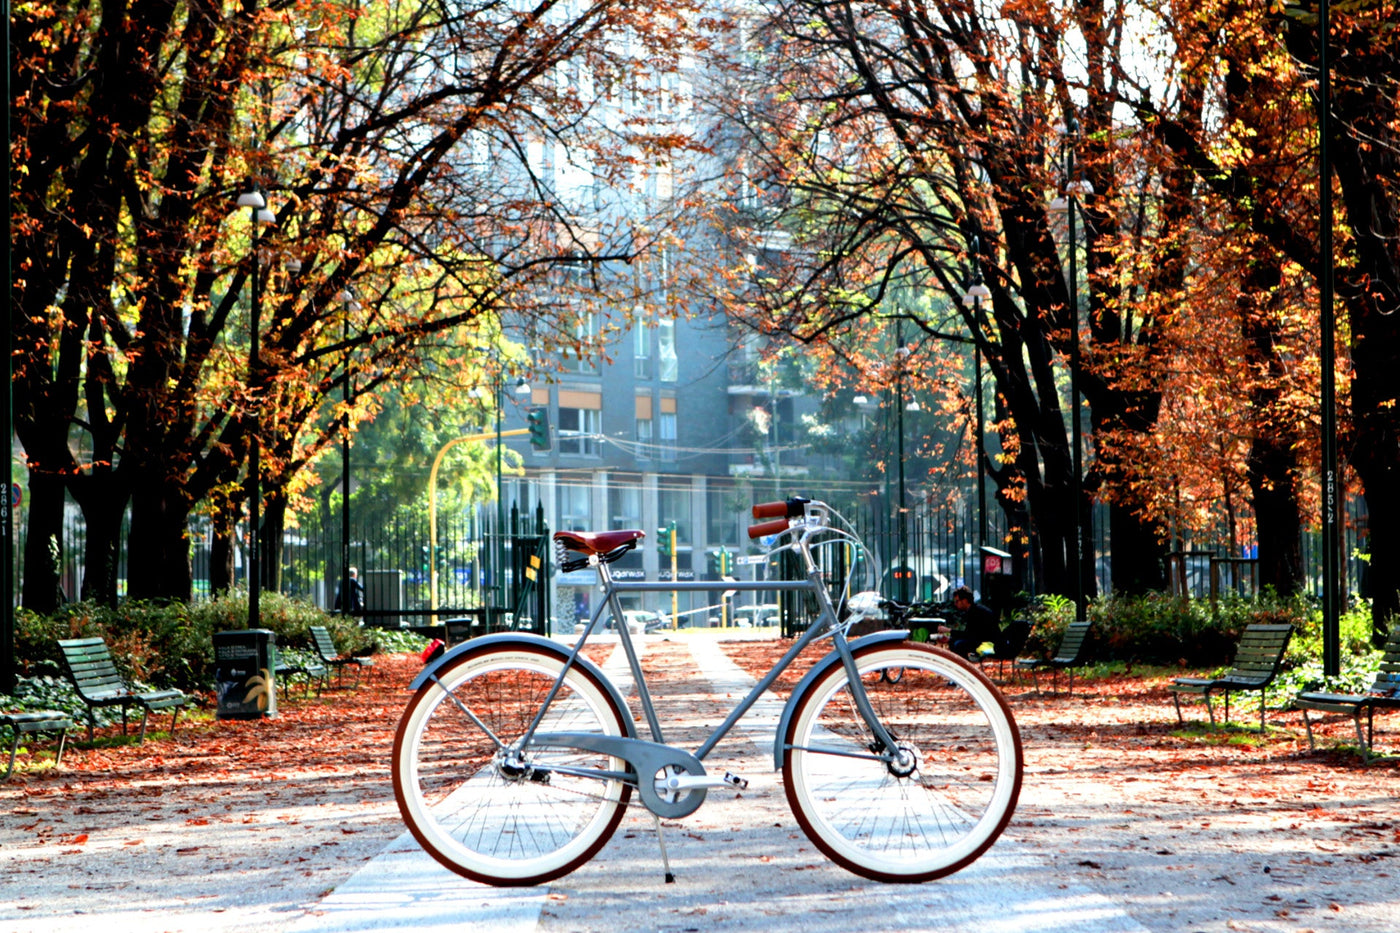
(826,622)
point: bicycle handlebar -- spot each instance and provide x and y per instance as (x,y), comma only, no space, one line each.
(788,508)
(777,526)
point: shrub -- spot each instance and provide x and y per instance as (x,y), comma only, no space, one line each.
(1049,615)
(1159,628)
(172,644)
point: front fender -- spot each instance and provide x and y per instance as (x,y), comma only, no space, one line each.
(819,669)
(525,640)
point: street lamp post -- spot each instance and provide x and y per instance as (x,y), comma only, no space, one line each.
(499,552)
(259,214)
(521,388)
(1331,526)
(348,305)
(901,353)
(1070,205)
(973,299)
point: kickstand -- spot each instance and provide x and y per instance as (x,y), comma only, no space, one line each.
(661,841)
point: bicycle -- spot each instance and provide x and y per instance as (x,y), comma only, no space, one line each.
(516,757)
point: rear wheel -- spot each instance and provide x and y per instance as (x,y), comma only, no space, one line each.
(479,804)
(945,796)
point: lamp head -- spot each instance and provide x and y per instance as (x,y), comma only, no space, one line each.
(253,198)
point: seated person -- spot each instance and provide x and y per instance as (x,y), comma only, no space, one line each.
(979,624)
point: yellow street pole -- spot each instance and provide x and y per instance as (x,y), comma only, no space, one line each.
(432,506)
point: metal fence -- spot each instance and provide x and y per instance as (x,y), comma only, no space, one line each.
(933,549)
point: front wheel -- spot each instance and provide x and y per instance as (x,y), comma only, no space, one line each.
(933,806)
(479,803)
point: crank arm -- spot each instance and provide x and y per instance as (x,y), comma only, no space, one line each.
(685,782)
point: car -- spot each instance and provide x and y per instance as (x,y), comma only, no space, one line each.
(638,621)
(645,620)
(764,614)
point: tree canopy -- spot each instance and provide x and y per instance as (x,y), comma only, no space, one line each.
(907,150)
(430,166)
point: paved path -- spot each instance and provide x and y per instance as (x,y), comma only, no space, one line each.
(741,864)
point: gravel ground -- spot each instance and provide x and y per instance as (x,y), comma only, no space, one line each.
(235,824)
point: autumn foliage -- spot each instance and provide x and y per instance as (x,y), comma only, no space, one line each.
(912,150)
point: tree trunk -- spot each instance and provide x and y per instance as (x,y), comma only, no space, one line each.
(1376,456)
(44,527)
(1139,554)
(274,522)
(1137,549)
(1382,499)
(1276,515)
(1023,374)
(103,502)
(1272,463)
(223,520)
(158,563)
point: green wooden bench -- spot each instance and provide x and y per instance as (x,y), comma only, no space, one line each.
(89,666)
(313,672)
(39,720)
(325,649)
(1258,660)
(1072,652)
(1384,693)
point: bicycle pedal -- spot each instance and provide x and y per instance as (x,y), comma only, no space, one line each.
(733,780)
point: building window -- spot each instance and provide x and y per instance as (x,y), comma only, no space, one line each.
(724,512)
(646,427)
(641,352)
(580,422)
(666,351)
(578,431)
(624,507)
(581,360)
(575,508)
(666,429)
(673,505)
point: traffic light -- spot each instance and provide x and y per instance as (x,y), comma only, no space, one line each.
(905,582)
(720,562)
(665,538)
(538,421)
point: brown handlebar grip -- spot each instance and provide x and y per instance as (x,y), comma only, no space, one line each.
(770,510)
(777,526)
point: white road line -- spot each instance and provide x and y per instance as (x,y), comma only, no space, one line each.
(402,888)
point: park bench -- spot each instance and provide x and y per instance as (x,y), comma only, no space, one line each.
(1007,648)
(1072,652)
(39,720)
(89,665)
(1384,693)
(1258,660)
(325,649)
(313,672)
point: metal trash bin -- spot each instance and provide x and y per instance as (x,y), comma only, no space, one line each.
(245,673)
